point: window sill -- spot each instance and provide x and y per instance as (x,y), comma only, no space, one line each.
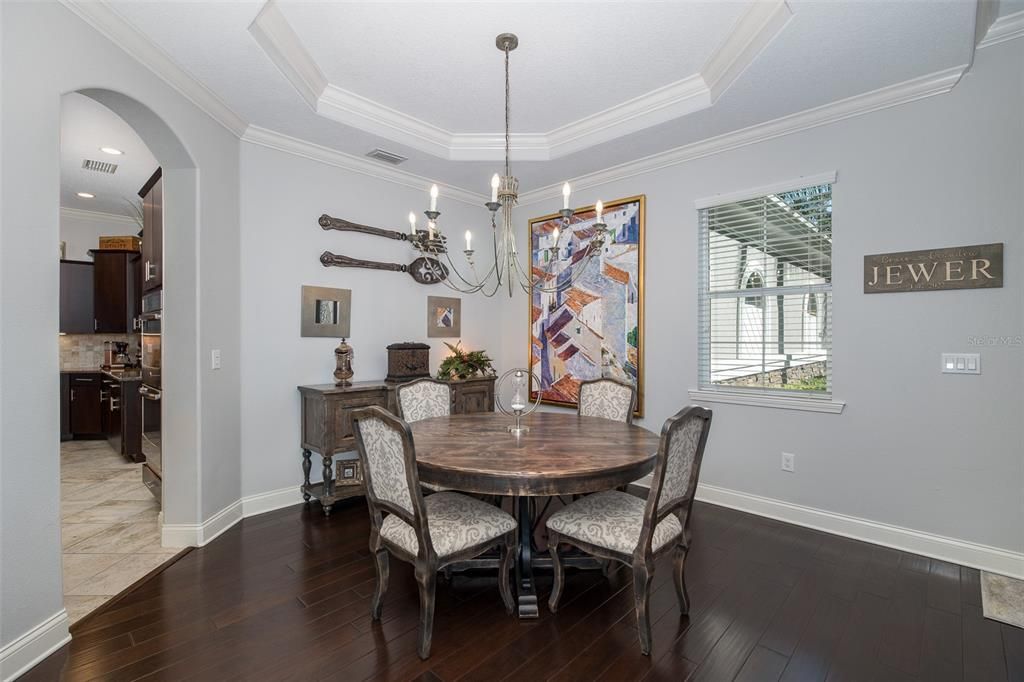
(784,402)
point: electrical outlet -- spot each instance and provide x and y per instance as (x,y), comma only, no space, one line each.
(215,358)
(788,462)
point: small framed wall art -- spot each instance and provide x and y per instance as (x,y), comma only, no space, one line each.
(444,317)
(326,311)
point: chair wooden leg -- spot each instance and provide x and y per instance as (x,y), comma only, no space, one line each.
(679,568)
(381,559)
(508,551)
(642,595)
(427,581)
(557,569)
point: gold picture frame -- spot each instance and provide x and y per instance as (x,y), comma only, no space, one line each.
(607,363)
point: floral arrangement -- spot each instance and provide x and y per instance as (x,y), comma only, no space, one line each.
(463,364)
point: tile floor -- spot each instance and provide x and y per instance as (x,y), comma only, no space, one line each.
(109,529)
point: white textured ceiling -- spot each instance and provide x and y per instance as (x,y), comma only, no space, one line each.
(436,62)
(85,126)
(573,59)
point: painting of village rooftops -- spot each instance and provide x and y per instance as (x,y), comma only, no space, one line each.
(587,306)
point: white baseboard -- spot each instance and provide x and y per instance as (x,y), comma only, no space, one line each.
(993,559)
(199,534)
(269,501)
(33,646)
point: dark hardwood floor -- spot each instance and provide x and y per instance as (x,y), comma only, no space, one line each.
(285,596)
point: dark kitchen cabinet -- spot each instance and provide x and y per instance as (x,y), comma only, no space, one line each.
(152,194)
(115,291)
(85,409)
(76,297)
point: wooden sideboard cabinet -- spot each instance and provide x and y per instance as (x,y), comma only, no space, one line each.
(327,425)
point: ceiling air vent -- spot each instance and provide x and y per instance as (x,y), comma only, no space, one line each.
(99,166)
(387,157)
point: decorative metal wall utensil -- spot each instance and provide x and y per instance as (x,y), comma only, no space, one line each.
(341,225)
(423,270)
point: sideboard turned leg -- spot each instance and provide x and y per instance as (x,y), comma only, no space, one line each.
(307,466)
(328,484)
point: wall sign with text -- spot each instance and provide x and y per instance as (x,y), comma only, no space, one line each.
(960,267)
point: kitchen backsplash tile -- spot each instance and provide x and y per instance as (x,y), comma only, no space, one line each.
(85,351)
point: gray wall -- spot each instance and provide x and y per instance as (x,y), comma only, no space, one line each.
(202,292)
(914,448)
(282,197)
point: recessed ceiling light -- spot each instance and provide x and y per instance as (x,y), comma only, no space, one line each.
(86,195)
(111,150)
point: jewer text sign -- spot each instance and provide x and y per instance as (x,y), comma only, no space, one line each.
(961,267)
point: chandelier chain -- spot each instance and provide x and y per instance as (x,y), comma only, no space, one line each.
(508,116)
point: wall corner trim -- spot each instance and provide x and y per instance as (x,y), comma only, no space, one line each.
(758,399)
(17,657)
(270,501)
(1004,28)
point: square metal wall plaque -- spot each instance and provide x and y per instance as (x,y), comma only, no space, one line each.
(959,267)
(326,312)
(444,317)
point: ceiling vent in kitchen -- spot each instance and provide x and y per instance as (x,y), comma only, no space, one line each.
(387,157)
(99,166)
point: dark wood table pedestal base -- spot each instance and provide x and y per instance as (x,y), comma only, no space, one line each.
(527,561)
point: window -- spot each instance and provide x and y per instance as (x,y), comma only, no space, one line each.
(754,281)
(766,293)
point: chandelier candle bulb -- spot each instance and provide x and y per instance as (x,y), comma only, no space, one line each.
(555,237)
(599,209)
(412,223)
(433,197)
(566,190)
(494,188)
(469,239)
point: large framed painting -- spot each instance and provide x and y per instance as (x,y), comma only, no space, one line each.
(591,326)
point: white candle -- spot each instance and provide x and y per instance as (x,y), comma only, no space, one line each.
(565,195)
(600,209)
(412,223)
(555,236)
(495,181)
(469,239)
(433,197)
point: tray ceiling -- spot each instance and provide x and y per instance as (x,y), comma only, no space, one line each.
(593,85)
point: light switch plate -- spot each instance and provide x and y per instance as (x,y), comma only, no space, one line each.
(215,359)
(961,363)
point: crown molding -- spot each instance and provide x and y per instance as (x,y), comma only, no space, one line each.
(754,30)
(357,164)
(97,216)
(279,41)
(1004,28)
(125,35)
(752,33)
(890,96)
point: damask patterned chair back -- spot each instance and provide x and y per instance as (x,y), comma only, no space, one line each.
(388,458)
(608,399)
(674,481)
(423,399)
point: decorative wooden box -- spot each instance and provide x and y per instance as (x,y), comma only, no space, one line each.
(126,243)
(408,361)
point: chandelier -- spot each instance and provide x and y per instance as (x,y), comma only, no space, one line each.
(563,261)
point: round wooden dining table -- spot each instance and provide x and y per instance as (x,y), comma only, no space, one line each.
(561,454)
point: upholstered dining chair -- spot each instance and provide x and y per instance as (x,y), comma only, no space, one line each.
(423,399)
(607,398)
(618,526)
(429,532)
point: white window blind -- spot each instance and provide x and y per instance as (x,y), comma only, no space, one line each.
(766,293)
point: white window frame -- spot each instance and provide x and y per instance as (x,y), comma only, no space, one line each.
(706,392)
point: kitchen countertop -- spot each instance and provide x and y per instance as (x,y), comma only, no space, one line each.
(133,374)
